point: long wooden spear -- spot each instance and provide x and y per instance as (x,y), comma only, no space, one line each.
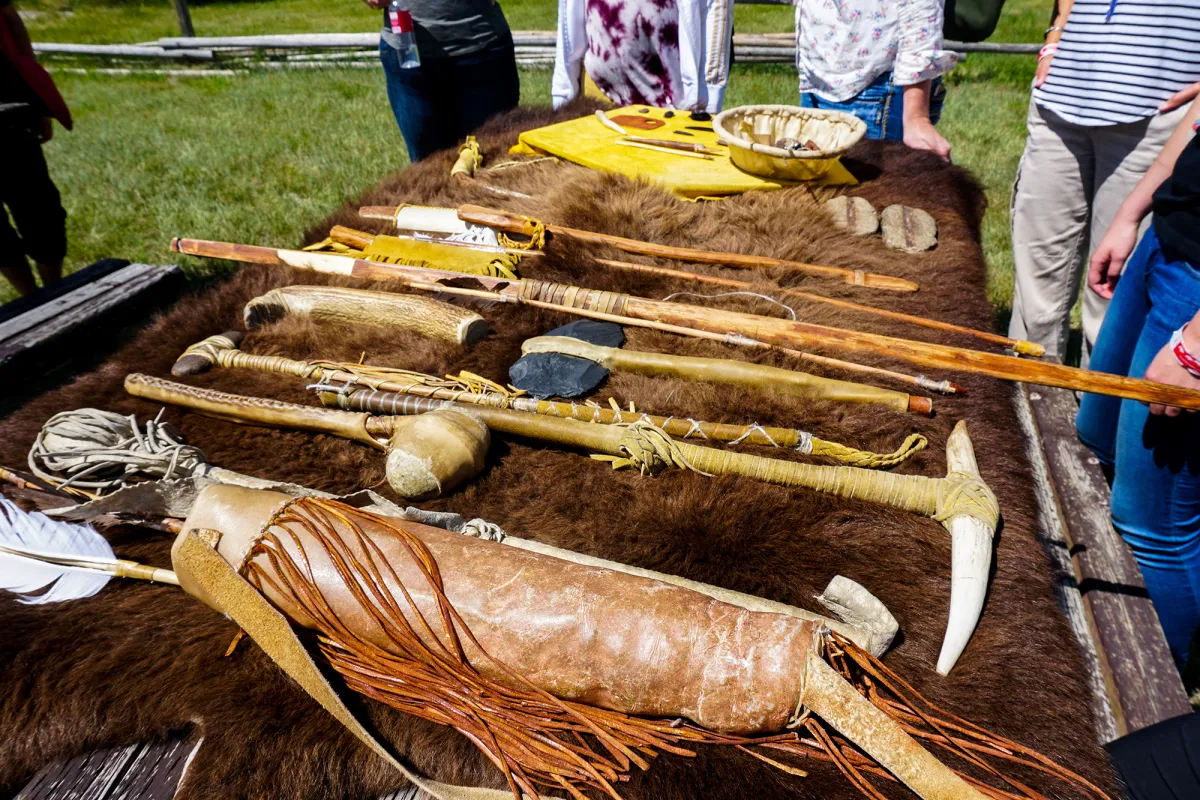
(770,330)
(518,224)
(362,240)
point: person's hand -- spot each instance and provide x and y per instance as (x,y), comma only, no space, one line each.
(1185,95)
(1109,257)
(47,131)
(1165,368)
(377,4)
(920,134)
(1043,69)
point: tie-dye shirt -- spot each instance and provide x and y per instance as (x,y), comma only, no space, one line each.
(842,46)
(663,53)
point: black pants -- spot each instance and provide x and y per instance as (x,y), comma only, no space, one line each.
(32,200)
(1161,762)
(441,101)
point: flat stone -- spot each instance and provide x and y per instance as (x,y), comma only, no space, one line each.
(853,214)
(909,229)
(545,375)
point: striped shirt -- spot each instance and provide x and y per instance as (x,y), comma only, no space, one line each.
(1119,60)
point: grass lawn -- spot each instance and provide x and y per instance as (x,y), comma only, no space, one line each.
(260,156)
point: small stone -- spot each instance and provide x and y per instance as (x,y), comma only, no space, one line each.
(909,229)
(853,214)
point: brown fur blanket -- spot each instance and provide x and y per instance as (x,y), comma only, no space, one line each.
(139,661)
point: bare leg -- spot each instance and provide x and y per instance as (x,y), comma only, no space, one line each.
(19,275)
(50,273)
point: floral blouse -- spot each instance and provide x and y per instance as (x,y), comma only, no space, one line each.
(842,46)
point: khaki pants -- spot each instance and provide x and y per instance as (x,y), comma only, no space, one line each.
(1070,183)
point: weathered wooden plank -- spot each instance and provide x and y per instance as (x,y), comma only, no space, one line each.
(75,308)
(1052,528)
(51,335)
(155,771)
(139,772)
(88,777)
(70,283)
(1141,678)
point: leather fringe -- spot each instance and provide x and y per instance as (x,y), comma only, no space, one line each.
(540,742)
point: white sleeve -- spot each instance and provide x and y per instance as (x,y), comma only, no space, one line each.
(569,49)
(718,29)
(919,53)
(705,30)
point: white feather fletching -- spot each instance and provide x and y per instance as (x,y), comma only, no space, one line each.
(29,539)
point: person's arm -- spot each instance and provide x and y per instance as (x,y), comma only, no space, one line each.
(919,59)
(1058,21)
(1184,96)
(1169,369)
(16,27)
(20,37)
(919,132)
(1109,257)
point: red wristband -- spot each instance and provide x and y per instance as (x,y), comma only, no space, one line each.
(1182,355)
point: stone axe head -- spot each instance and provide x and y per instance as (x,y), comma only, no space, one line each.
(546,374)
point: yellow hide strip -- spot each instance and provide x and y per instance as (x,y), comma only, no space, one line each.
(469,159)
(430,255)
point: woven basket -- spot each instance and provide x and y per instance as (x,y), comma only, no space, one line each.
(752,131)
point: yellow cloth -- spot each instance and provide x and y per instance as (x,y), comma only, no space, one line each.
(430,255)
(588,142)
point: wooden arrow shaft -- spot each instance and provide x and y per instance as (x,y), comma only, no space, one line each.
(770,330)
(515,223)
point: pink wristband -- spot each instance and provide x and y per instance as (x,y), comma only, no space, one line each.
(1048,50)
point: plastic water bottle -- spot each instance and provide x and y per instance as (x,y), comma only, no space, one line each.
(398,32)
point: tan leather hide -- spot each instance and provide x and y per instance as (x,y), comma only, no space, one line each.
(582,633)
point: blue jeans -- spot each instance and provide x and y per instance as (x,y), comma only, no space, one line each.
(881,106)
(441,101)
(1155,460)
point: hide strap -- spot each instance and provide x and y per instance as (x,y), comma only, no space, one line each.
(205,569)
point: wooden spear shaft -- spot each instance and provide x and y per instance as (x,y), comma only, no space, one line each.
(515,223)
(763,329)
(362,240)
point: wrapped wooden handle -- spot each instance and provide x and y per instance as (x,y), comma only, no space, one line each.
(727,371)
(252,410)
(501,220)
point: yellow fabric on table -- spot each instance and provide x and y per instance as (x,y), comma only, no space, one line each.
(430,255)
(586,141)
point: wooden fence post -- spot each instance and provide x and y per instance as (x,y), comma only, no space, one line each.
(185,18)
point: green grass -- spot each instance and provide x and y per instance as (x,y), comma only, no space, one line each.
(259,157)
(115,21)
